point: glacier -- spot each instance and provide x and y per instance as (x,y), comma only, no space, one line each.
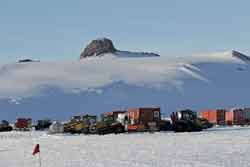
(94,85)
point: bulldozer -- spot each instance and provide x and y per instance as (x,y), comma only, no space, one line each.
(5,126)
(109,124)
(80,124)
(186,121)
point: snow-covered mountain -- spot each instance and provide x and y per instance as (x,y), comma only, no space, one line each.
(98,84)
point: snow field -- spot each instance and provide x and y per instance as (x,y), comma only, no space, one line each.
(227,147)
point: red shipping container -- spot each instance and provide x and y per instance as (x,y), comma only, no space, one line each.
(23,123)
(239,117)
(221,114)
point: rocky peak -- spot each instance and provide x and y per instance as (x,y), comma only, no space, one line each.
(98,47)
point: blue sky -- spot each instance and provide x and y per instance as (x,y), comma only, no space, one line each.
(58,29)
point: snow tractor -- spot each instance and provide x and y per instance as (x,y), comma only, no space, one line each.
(43,124)
(80,124)
(5,126)
(185,121)
(109,123)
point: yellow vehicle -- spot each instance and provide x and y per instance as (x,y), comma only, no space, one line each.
(80,124)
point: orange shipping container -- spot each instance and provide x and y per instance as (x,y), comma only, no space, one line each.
(205,115)
(214,116)
(229,118)
(210,115)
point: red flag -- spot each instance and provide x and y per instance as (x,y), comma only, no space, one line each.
(36,149)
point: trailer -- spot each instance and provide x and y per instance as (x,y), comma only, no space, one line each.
(23,124)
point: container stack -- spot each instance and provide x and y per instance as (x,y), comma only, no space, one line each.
(235,116)
(216,116)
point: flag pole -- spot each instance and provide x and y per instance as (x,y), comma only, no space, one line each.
(35,151)
(40,161)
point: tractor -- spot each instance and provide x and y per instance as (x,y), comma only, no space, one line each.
(109,123)
(186,121)
(80,124)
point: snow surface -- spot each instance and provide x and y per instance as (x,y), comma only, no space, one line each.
(225,147)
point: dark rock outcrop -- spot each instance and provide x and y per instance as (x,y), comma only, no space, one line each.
(27,61)
(241,56)
(98,47)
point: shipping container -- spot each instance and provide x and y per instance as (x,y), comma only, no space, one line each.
(239,117)
(210,115)
(204,114)
(141,119)
(247,115)
(216,117)
(229,118)
(23,124)
(221,114)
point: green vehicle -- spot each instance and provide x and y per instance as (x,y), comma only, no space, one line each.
(109,124)
(205,123)
(186,121)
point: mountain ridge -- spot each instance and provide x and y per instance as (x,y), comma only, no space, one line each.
(103,46)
